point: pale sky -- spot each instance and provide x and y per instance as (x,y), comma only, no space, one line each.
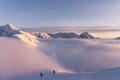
(36,13)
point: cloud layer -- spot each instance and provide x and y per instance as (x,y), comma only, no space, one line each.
(83,55)
(17,57)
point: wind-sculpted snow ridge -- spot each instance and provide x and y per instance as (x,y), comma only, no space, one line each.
(10,30)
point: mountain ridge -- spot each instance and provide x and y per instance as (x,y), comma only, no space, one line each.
(84,35)
(11,31)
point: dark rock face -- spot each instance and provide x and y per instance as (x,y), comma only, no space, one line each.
(86,35)
(64,35)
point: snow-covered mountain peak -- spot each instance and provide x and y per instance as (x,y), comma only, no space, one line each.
(45,35)
(86,35)
(10,30)
(11,27)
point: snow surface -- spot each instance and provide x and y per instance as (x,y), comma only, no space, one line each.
(17,57)
(110,74)
(23,57)
(10,30)
(41,35)
(24,62)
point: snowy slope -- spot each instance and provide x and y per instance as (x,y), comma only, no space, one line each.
(117,38)
(109,74)
(10,30)
(84,57)
(18,58)
(41,35)
(75,55)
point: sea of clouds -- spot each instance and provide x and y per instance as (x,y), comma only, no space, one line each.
(63,55)
(83,55)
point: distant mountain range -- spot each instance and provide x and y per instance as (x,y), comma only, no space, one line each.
(10,30)
(84,35)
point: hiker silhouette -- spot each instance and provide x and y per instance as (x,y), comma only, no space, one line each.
(41,74)
(53,71)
